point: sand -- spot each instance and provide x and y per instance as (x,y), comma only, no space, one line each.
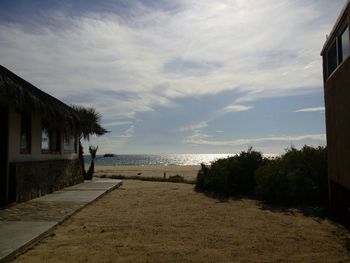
(168,222)
(188,172)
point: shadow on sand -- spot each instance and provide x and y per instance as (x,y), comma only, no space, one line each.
(315,212)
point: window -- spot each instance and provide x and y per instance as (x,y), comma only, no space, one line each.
(69,143)
(25,136)
(45,138)
(50,140)
(338,51)
(332,58)
(344,44)
(55,140)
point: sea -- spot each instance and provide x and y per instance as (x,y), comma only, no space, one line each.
(155,159)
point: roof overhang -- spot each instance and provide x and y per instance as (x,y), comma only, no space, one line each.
(26,96)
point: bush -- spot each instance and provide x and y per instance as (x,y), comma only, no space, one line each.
(176,179)
(232,175)
(271,183)
(298,176)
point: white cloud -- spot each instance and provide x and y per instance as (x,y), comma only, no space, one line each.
(194,126)
(230,41)
(316,109)
(117,123)
(199,138)
(237,108)
(228,109)
(111,143)
(245,46)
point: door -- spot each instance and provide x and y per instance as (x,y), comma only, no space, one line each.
(3,155)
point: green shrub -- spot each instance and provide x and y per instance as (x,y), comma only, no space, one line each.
(117,176)
(271,182)
(232,175)
(298,176)
(176,179)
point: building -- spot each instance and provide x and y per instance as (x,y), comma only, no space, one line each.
(38,141)
(336,72)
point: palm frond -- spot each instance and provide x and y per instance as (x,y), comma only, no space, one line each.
(89,121)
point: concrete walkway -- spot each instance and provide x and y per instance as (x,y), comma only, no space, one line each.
(23,225)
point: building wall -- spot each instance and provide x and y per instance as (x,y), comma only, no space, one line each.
(35,174)
(337,100)
(35,154)
(336,72)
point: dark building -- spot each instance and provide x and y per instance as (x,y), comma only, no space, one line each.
(38,141)
(336,72)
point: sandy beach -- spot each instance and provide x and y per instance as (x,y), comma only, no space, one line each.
(168,222)
(188,172)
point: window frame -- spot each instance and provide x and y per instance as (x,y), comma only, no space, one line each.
(25,118)
(52,149)
(333,43)
(344,25)
(340,43)
(74,137)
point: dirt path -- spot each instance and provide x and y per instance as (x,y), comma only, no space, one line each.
(164,222)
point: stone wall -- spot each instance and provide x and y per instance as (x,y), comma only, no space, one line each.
(34,179)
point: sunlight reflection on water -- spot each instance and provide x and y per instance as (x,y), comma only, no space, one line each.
(155,159)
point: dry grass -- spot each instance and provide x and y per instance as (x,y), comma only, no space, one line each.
(165,222)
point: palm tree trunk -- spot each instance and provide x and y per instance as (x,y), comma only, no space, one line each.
(81,158)
(91,170)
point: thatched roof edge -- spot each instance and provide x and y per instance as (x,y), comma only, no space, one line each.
(26,96)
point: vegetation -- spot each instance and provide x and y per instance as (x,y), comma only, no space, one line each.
(170,179)
(298,176)
(231,176)
(90,172)
(89,125)
(176,179)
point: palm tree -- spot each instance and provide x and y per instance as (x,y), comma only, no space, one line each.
(89,125)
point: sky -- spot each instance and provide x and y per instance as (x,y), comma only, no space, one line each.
(179,76)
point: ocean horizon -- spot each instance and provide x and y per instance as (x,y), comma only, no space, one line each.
(155,159)
(159,159)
